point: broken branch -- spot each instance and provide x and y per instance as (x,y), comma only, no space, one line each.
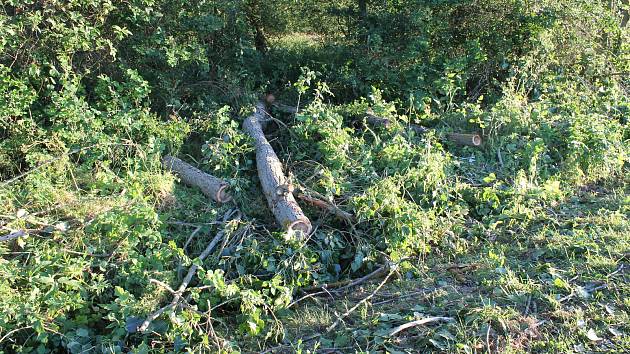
(191,272)
(366,299)
(342,286)
(333,209)
(346,284)
(11,236)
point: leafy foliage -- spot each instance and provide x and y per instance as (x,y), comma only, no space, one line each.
(524,239)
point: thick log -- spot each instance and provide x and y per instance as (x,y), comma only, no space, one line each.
(465,139)
(374,120)
(211,186)
(275,185)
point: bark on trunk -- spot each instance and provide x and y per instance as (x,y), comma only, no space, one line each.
(275,185)
(210,185)
(465,139)
(373,120)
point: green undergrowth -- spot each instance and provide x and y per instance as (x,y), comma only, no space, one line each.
(556,286)
(520,244)
(525,251)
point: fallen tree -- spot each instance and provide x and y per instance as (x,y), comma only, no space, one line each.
(211,186)
(379,121)
(462,139)
(275,185)
(374,120)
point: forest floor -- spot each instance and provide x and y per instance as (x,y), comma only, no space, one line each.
(555,285)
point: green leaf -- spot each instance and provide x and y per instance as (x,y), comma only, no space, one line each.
(82,332)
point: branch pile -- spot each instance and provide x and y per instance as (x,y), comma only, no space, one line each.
(276,186)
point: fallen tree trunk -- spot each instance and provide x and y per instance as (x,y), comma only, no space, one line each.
(462,139)
(210,185)
(379,121)
(276,187)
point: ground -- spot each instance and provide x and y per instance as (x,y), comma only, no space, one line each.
(560,285)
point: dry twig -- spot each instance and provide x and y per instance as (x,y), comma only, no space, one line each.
(421,322)
(343,285)
(11,236)
(191,272)
(366,299)
(333,209)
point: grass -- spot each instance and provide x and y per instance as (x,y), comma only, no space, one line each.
(519,264)
(560,285)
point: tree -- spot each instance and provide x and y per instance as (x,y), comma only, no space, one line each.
(254,13)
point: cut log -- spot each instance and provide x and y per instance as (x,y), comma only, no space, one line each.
(275,185)
(376,121)
(465,139)
(211,186)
